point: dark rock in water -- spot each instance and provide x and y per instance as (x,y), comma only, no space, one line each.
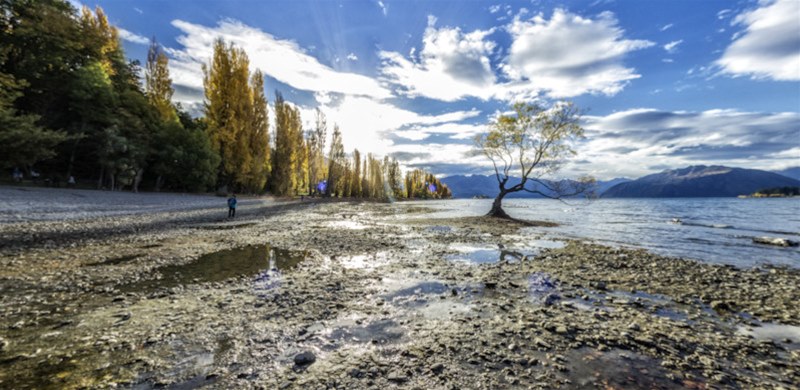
(776,241)
(305,358)
(720,306)
(490,284)
(598,285)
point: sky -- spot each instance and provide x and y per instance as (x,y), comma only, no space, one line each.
(662,84)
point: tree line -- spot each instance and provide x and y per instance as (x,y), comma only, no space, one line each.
(71,104)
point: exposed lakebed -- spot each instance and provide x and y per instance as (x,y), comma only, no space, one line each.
(358,296)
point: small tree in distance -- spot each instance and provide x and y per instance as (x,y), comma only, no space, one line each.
(533,141)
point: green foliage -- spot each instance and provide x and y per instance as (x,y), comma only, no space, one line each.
(777,192)
(186,161)
(22,142)
(71,104)
(533,141)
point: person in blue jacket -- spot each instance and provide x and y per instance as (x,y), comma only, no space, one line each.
(232,206)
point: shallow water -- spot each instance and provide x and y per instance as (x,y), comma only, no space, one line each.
(717,230)
(223,265)
(479,254)
(617,369)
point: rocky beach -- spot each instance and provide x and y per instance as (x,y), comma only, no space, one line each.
(321,294)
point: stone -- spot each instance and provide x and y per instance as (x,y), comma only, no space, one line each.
(776,241)
(720,306)
(305,358)
(561,329)
(397,377)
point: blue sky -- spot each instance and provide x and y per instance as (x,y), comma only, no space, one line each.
(664,83)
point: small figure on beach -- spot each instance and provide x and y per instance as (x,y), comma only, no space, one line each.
(71,182)
(17,175)
(232,206)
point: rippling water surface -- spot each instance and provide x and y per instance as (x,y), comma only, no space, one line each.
(717,230)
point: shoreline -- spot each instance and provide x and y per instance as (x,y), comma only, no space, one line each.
(380,299)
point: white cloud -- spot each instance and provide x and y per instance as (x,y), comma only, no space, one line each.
(138,10)
(495,8)
(451,65)
(565,56)
(769,46)
(132,37)
(294,67)
(666,27)
(383,7)
(672,47)
(352,57)
(455,131)
(570,55)
(636,142)
(366,123)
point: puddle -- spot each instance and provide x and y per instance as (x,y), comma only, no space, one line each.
(191,370)
(379,332)
(441,229)
(422,288)
(223,265)
(616,369)
(657,305)
(542,288)
(482,254)
(787,335)
(430,299)
(352,225)
(369,261)
(116,260)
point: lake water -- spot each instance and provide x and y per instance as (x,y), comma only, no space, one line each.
(718,230)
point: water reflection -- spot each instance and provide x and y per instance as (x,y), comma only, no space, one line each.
(223,265)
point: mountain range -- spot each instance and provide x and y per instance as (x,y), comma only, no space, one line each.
(693,181)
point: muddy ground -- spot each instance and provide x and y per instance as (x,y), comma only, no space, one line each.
(344,295)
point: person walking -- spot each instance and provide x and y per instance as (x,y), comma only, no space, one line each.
(232,206)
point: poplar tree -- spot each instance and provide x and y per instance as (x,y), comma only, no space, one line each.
(259,136)
(229,112)
(356,177)
(158,85)
(317,170)
(283,160)
(335,164)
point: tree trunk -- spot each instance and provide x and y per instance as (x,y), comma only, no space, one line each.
(100,180)
(497,208)
(137,179)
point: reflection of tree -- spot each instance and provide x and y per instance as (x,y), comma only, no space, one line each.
(514,255)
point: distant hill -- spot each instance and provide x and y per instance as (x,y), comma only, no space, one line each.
(793,172)
(700,181)
(486,186)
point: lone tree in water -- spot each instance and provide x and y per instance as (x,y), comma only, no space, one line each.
(533,141)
